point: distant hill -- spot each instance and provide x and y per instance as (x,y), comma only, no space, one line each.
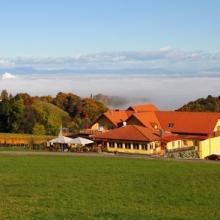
(208,104)
(111,101)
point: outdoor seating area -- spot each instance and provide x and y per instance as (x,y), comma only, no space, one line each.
(65,144)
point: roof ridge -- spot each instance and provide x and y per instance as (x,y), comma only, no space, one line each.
(137,115)
(137,127)
(106,115)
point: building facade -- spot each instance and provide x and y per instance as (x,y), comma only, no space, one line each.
(174,130)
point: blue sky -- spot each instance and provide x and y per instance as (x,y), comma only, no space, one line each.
(67,27)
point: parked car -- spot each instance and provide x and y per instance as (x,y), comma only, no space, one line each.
(213,157)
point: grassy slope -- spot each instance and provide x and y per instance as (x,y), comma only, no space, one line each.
(45,187)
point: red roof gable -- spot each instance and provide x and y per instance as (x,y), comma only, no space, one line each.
(117,116)
(114,116)
(129,133)
(188,122)
(148,119)
(143,108)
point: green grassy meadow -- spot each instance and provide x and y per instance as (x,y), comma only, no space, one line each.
(14,148)
(66,187)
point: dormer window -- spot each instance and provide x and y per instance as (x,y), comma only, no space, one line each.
(101,128)
(170,125)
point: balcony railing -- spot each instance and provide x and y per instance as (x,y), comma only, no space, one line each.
(89,131)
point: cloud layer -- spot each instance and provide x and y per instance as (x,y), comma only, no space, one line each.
(167,77)
(166,92)
(165,58)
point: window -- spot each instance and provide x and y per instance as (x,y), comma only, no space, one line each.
(119,145)
(110,127)
(151,146)
(144,147)
(179,144)
(173,143)
(101,128)
(170,125)
(136,146)
(185,142)
(111,144)
(196,143)
(127,146)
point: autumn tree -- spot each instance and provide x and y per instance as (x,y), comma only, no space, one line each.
(16,114)
(4,95)
(32,114)
(208,104)
(68,102)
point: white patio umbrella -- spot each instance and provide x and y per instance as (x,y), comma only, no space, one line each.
(82,141)
(61,140)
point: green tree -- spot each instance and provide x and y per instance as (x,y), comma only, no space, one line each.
(90,109)
(4,95)
(208,104)
(16,114)
(50,116)
(39,129)
(4,115)
(27,99)
(68,102)
(24,113)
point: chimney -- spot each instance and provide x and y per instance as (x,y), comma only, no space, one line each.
(124,123)
(159,132)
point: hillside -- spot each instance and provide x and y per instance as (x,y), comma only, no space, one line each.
(208,104)
(44,115)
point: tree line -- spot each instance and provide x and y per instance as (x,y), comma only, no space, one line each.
(43,115)
(208,104)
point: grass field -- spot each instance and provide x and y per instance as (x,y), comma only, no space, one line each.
(16,148)
(64,187)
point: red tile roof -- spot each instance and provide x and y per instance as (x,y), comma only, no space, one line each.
(188,122)
(129,133)
(147,119)
(176,122)
(174,137)
(117,116)
(171,137)
(195,137)
(114,116)
(143,108)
